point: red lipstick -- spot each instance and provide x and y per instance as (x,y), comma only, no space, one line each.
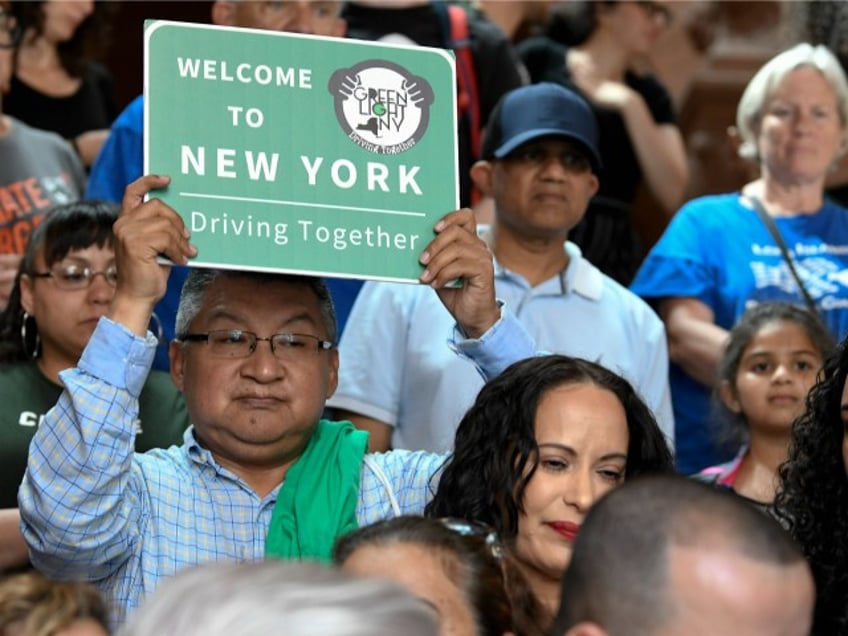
(567,529)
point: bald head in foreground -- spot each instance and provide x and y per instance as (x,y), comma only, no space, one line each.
(667,555)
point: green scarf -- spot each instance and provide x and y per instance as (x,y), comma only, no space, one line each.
(317,501)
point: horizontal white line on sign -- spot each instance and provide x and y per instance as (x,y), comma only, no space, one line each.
(222,197)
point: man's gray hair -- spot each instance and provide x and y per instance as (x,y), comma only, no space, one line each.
(191,298)
(279,597)
(768,78)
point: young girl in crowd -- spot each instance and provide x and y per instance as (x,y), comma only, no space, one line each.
(768,367)
(813,495)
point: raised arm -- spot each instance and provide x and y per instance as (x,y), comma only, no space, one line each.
(485,332)
(79,509)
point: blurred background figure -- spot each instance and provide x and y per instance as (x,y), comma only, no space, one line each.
(487,66)
(639,138)
(666,555)
(518,19)
(768,367)
(59,84)
(813,495)
(457,566)
(825,22)
(38,169)
(33,605)
(542,442)
(273,597)
(65,284)
(720,253)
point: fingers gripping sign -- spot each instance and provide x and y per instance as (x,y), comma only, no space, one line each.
(458,253)
(144,231)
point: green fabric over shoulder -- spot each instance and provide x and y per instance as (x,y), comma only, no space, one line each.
(317,501)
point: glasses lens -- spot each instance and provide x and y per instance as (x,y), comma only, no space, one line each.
(231,343)
(475,529)
(70,276)
(294,346)
(111,275)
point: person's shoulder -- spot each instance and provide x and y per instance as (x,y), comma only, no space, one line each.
(479,26)
(132,117)
(833,207)
(711,208)
(38,141)
(539,45)
(97,72)
(24,131)
(609,293)
(646,83)
(634,308)
(398,293)
(14,372)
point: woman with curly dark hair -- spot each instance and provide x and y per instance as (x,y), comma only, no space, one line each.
(813,496)
(542,442)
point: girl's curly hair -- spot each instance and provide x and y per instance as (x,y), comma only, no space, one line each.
(813,496)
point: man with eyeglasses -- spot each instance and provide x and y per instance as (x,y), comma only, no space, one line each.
(259,474)
(38,169)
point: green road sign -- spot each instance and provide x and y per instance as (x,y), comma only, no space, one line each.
(299,153)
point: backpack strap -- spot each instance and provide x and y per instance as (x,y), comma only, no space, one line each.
(457,38)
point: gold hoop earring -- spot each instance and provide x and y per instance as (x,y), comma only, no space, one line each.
(25,343)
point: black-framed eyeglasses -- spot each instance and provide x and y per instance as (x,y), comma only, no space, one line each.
(10,30)
(74,276)
(475,529)
(238,343)
(657,11)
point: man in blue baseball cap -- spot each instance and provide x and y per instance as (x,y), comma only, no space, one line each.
(541,167)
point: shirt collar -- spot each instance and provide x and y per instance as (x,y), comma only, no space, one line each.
(579,276)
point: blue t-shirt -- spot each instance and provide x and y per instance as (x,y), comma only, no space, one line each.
(719,251)
(120,162)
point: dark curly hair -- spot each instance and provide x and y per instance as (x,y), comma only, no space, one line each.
(813,496)
(495,453)
(89,43)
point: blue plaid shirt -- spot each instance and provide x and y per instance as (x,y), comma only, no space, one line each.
(92,509)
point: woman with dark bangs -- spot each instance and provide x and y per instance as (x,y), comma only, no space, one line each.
(65,284)
(542,442)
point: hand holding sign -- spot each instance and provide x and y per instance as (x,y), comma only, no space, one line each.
(143,232)
(458,253)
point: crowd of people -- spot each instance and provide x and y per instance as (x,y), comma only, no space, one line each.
(577,439)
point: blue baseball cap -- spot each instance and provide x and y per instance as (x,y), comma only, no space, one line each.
(541,110)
